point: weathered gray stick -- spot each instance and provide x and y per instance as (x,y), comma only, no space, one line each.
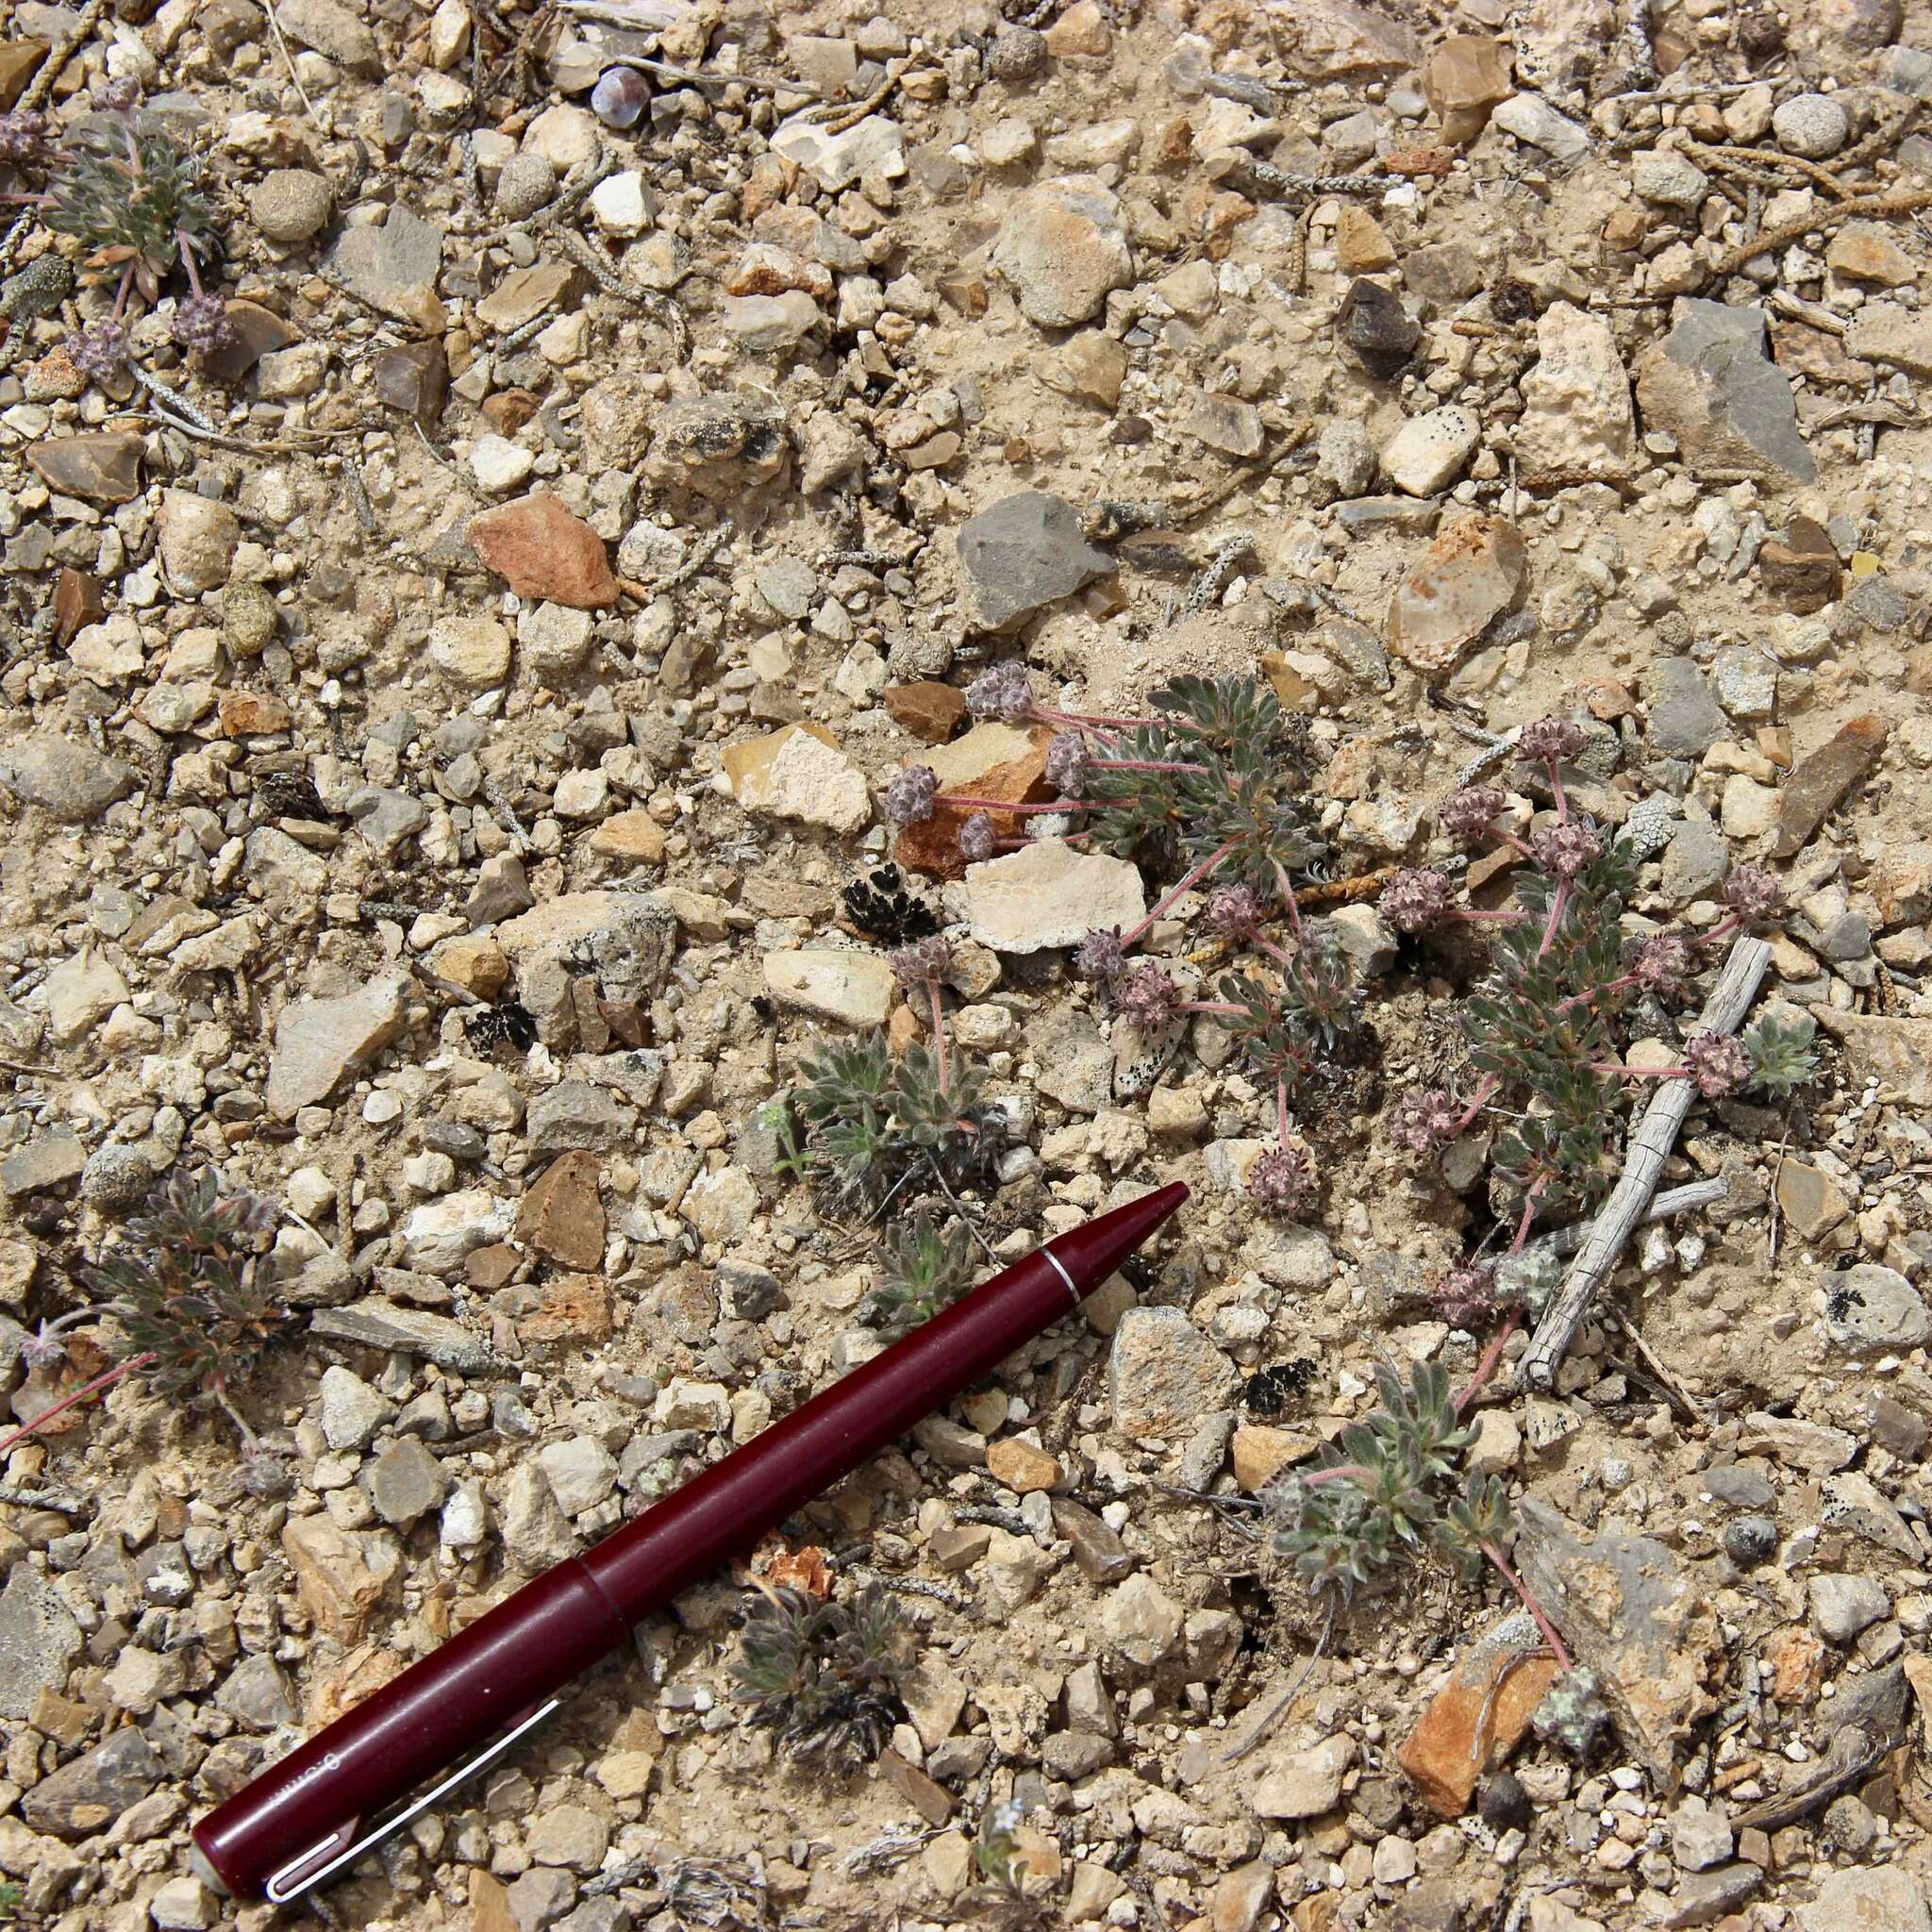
(1650,1147)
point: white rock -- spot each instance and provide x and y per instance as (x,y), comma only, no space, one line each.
(1048,894)
(837,160)
(472,652)
(796,774)
(1428,452)
(622,205)
(581,1473)
(1307,1783)
(352,1411)
(449,34)
(318,1042)
(1576,398)
(581,795)
(1531,119)
(81,993)
(553,638)
(853,988)
(500,465)
(438,1236)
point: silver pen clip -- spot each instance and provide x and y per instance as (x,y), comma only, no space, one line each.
(329,1854)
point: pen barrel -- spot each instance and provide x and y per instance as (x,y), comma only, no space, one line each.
(725,1509)
(420,1723)
(554,1629)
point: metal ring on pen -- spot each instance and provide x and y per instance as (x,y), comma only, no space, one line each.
(1060,1269)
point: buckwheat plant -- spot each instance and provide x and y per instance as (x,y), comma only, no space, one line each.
(133,199)
(1391,1487)
(1210,783)
(923,1269)
(190,1285)
(825,1676)
(1546,1024)
(870,1119)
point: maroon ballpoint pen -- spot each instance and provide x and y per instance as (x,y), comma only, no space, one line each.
(311,1815)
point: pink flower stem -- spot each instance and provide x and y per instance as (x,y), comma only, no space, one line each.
(121,293)
(1145,765)
(1189,878)
(1281,1111)
(938,1032)
(1341,1472)
(1721,931)
(1595,993)
(1623,1073)
(1475,1105)
(1288,898)
(1486,1366)
(1220,1007)
(1508,914)
(963,804)
(67,1402)
(1523,1226)
(1530,1604)
(1562,798)
(1285,960)
(187,248)
(1556,917)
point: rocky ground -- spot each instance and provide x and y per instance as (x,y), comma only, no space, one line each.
(441,723)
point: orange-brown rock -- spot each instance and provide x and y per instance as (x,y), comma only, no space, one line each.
(932,846)
(360,1674)
(247,713)
(929,709)
(541,550)
(562,1216)
(1475,1720)
(569,1307)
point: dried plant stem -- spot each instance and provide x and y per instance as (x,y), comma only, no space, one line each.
(274,27)
(56,63)
(1819,222)
(1650,1147)
(103,1380)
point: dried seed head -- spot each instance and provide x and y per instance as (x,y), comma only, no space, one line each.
(202,325)
(1754,893)
(1424,1119)
(1282,1179)
(1469,813)
(1236,911)
(1550,741)
(923,961)
(23,135)
(977,838)
(98,349)
(264,1474)
(1101,956)
(1066,763)
(1415,899)
(1662,962)
(1465,1295)
(43,1351)
(1147,996)
(910,794)
(1565,850)
(1717,1062)
(1002,692)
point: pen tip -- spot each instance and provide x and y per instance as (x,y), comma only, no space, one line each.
(1090,1254)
